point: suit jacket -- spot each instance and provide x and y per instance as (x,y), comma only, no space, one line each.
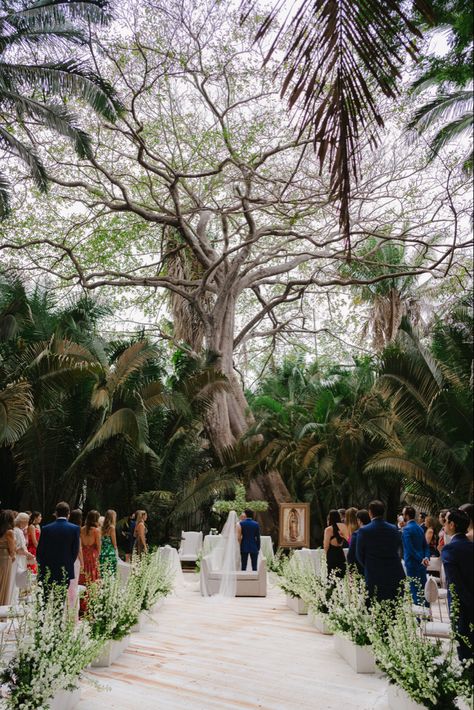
(377,550)
(415,547)
(458,560)
(250,536)
(351,554)
(57,550)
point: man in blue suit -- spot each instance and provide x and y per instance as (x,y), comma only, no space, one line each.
(458,561)
(416,554)
(377,551)
(58,548)
(249,538)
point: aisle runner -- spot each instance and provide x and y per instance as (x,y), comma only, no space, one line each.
(245,653)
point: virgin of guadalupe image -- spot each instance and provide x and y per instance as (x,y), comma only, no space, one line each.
(293,526)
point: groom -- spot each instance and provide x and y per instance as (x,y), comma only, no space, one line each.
(249,538)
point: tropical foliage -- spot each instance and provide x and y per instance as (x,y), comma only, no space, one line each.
(33,90)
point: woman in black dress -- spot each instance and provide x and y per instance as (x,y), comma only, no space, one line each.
(335,538)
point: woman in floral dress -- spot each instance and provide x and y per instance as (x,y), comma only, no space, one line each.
(90,546)
(108,550)
(33,536)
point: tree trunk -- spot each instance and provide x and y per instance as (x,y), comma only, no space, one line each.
(230,417)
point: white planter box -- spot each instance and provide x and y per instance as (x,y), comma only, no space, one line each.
(136,628)
(296,604)
(319,621)
(398,699)
(110,652)
(65,699)
(360,658)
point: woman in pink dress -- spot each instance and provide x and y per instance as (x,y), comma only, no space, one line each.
(90,547)
(32,538)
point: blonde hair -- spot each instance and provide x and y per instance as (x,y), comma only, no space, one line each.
(351,520)
(139,518)
(110,518)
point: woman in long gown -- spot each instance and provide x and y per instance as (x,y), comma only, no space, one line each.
(108,551)
(335,535)
(90,546)
(33,536)
(139,532)
(7,555)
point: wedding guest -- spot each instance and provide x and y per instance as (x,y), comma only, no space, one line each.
(469,509)
(443,537)
(377,551)
(334,536)
(342,513)
(416,554)
(431,535)
(458,561)
(7,555)
(32,537)
(127,532)
(23,557)
(140,531)
(351,522)
(108,551)
(363,518)
(90,546)
(422,523)
(58,547)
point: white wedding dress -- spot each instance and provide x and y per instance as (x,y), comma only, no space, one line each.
(225,557)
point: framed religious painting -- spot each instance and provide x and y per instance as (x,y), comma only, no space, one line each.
(294,525)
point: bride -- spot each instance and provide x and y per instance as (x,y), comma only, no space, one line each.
(226,557)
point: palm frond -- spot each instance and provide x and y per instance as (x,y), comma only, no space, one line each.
(340,55)
(4,196)
(16,411)
(202,490)
(27,155)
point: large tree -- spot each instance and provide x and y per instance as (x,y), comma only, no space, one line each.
(203,192)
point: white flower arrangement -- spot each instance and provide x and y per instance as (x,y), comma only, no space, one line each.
(431,675)
(50,653)
(111,609)
(348,612)
(296,579)
(151,578)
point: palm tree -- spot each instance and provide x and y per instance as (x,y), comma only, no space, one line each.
(338,58)
(28,85)
(430,445)
(450,111)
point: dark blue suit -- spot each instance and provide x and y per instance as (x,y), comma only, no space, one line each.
(250,543)
(57,550)
(351,554)
(415,549)
(458,561)
(377,550)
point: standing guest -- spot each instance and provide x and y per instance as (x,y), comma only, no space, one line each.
(342,513)
(140,531)
(443,538)
(7,555)
(377,551)
(108,551)
(351,523)
(416,554)
(469,509)
(32,538)
(248,536)
(334,536)
(458,560)
(90,546)
(363,518)
(423,517)
(57,549)
(431,535)
(127,532)
(23,557)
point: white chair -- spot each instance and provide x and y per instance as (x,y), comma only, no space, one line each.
(436,629)
(248,584)
(191,546)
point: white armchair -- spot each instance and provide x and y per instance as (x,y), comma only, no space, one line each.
(249,584)
(191,546)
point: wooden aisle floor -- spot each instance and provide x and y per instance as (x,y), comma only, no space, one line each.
(242,654)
